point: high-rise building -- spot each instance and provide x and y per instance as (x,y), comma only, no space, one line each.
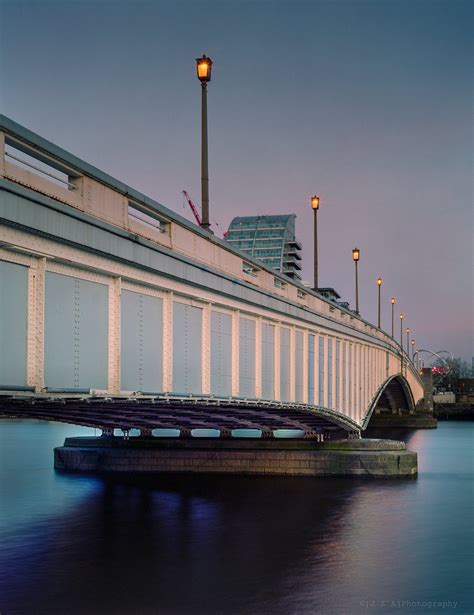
(269,239)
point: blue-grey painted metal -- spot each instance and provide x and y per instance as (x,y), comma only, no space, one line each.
(221,354)
(141,342)
(75,333)
(13,319)
(187,345)
(285,373)
(329,374)
(247,349)
(338,375)
(268,361)
(321,371)
(299,390)
(311,351)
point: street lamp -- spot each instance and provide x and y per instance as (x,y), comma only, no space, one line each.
(315,206)
(408,341)
(356,257)
(393,301)
(379,284)
(413,351)
(204,69)
(401,339)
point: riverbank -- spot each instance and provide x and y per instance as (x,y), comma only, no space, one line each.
(374,458)
(454,412)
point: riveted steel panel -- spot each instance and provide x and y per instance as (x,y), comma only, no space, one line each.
(299,392)
(141,342)
(247,357)
(268,361)
(187,344)
(221,354)
(329,374)
(321,371)
(344,378)
(350,408)
(285,369)
(13,323)
(311,351)
(75,333)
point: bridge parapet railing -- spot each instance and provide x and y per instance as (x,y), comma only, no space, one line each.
(32,162)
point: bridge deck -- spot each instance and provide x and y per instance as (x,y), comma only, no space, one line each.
(183,414)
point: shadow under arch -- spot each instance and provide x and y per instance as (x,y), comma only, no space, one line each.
(394,395)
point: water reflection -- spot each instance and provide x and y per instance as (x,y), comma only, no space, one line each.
(227,544)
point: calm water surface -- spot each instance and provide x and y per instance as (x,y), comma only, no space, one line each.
(89,545)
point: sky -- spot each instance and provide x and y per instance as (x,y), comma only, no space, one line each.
(367,103)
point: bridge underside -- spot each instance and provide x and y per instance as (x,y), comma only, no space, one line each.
(395,399)
(184,414)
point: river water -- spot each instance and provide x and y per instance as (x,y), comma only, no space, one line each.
(90,545)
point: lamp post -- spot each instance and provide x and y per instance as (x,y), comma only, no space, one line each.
(356,257)
(315,206)
(204,69)
(379,284)
(408,341)
(413,351)
(401,341)
(393,301)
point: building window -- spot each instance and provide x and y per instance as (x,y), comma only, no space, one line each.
(279,283)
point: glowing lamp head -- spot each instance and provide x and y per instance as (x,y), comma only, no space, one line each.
(204,69)
(401,316)
(356,254)
(413,343)
(408,329)
(379,281)
(315,201)
(393,300)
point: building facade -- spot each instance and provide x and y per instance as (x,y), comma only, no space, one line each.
(269,239)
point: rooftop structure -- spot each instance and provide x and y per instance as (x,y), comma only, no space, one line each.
(269,239)
(329,293)
(334,296)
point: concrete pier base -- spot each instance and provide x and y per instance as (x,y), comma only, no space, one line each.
(375,458)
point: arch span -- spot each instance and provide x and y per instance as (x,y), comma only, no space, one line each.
(180,413)
(394,396)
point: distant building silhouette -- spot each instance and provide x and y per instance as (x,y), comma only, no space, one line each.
(269,239)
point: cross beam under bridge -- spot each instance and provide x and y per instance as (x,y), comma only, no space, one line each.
(147,413)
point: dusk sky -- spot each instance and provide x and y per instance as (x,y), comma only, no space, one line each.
(368,103)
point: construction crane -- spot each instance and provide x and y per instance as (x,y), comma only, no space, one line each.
(193,207)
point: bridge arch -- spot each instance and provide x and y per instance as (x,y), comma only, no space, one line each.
(394,395)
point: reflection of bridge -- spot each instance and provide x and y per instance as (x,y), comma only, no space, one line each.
(129,316)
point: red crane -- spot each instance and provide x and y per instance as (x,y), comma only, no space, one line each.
(193,207)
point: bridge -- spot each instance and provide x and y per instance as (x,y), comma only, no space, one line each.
(117,313)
